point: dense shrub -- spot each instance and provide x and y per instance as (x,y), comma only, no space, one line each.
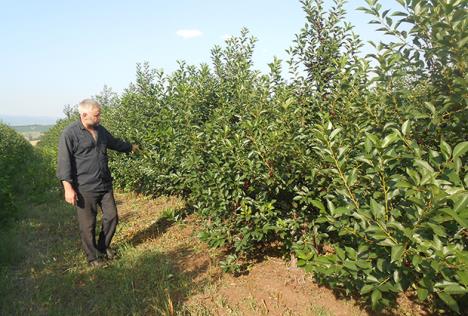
(24,173)
(390,190)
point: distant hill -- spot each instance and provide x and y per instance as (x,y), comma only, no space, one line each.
(20,120)
(32,128)
(32,132)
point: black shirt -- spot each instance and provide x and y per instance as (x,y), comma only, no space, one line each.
(82,161)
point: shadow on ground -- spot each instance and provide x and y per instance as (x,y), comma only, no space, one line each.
(156,229)
(53,278)
(145,284)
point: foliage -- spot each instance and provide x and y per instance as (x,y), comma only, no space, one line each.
(23,173)
(393,216)
(427,54)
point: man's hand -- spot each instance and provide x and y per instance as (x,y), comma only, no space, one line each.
(135,148)
(70,194)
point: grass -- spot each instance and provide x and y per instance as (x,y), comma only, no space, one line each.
(43,271)
(320,311)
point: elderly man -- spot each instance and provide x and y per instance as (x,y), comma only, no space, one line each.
(84,173)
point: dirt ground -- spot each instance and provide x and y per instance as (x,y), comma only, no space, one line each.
(272,287)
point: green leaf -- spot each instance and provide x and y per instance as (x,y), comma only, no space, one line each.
(460,150)
(448,299)
(340,253)
(455,289)
(402,184)
(335,132)
(396,276)
(390,139)
(352,177)
(462,42)
(438,230)
(457,164)
(416,260)
(446,149)
(376,232)
(397,252)
(436,266)
(305,256)
(351,253)
(318,204)
(340,211)
(430,107)
(414,176)
(387,242)
(460,201)
(378,210)
(366,289)
(405,127)
(422,293)
(350,265)
(463,276)
(399,13)
(367,161)
(423,164)
(455,216)
(363,264)
(373,139)
(372,278)
(368,145)
(375,298)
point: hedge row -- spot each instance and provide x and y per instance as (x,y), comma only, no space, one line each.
(23,173)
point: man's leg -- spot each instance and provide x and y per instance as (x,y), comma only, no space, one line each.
(86,212)
(109,220)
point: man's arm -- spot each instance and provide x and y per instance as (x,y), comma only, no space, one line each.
(119,145)
(64,167)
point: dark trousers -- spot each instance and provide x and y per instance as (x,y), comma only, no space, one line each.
(86,211)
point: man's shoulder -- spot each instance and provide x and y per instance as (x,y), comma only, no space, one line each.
(71,128)
(102,129)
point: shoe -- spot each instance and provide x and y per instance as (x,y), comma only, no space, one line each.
(96,263)
(108,254)
(111,254)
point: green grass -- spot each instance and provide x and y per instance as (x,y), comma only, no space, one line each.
(43,271)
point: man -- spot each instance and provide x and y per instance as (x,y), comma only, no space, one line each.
(84,173)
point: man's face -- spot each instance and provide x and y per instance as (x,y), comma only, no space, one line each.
(92,118)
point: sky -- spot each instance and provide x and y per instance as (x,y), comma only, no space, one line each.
(55,53)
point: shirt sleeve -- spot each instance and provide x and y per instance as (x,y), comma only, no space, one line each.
(117,144)
(65,153)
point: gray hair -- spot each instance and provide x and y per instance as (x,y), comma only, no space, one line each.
(88,104)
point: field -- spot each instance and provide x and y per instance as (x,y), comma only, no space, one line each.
(32,132)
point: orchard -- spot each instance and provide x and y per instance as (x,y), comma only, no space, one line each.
(355,165)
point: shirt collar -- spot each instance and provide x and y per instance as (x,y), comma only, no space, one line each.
(80,124)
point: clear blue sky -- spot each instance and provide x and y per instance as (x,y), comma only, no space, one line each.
(58,52)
